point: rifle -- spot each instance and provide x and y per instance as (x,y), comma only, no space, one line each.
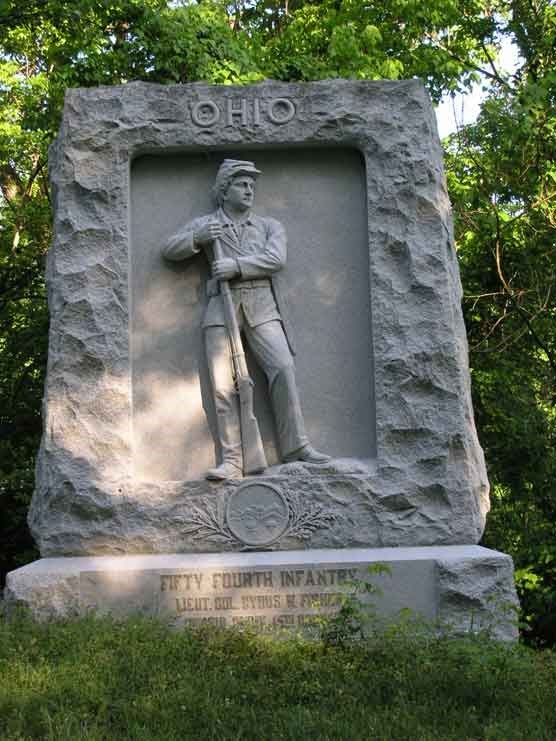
(254,459)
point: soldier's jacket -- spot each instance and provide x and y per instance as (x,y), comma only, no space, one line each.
(259,247)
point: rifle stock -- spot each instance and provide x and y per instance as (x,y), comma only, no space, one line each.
(254,459)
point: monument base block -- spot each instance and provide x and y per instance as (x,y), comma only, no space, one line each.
(469,588)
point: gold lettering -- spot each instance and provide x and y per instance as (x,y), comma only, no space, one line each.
(251,619)
(241,580)
(223,603)
(291,578)
(192,604)
(283,619)
(219,621)
(180,582)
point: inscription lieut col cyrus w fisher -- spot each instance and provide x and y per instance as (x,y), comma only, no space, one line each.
(243,112)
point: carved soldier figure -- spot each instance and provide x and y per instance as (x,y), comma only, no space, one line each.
(247,251)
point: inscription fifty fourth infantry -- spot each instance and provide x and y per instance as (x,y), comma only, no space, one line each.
(266,598)
(249,579)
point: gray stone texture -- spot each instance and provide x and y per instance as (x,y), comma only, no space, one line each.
(463,588)
(386,389)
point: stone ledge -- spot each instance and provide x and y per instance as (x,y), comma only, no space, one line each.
(468,587)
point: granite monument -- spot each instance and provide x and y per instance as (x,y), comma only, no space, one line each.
(140,399)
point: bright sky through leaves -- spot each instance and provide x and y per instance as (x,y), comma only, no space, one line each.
(462,109)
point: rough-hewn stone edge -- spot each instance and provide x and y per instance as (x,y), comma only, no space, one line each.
(479,595)
(49,596)
(359,512)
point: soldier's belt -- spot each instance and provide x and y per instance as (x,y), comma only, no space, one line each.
(213,288)
(259,283)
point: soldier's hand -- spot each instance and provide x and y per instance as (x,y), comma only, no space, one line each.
(225,268)
(208,232)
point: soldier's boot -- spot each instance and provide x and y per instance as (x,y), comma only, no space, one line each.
(229,435)
(307,454)
(224,472)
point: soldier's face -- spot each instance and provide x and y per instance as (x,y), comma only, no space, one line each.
(240,193)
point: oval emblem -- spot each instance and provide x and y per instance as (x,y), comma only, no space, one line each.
(257,514)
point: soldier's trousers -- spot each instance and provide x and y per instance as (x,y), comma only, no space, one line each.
(270,348)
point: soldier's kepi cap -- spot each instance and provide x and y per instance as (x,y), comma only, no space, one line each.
(230,168)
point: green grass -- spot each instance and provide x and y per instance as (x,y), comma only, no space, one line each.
(100,679)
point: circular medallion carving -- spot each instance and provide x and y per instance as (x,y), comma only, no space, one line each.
(257,514)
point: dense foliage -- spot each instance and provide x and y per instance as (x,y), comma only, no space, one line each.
(502,181)
(96,679)
(501,174)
